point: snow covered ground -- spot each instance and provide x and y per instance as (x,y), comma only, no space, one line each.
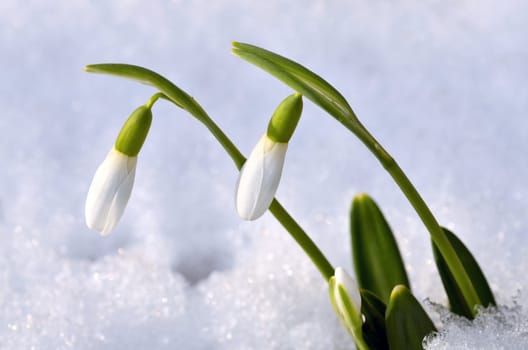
(442,84)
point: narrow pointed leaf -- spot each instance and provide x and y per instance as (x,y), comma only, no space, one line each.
(300,79)
(457,303)
(406,321)
(377,259)
(374,331)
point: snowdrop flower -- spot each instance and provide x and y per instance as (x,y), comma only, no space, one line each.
(259,177)
(110,190)
(343,279)
(113,181)
(346,299)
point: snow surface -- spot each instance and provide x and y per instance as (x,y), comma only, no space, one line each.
(442,84)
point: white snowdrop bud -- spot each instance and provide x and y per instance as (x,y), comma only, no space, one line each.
(113,181)
(349,284)
(109,192)
(346,301)
(259,178)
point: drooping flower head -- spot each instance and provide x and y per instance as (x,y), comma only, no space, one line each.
(113,181)
(260,176)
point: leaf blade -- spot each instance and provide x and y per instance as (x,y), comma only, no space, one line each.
(457,303)
(406,321)
(374,330)
(300,79)
(377,260)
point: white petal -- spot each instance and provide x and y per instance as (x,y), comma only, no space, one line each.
(259,178)
(344,279)
(109,192)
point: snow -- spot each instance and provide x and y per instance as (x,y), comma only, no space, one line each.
(441,84)
(493,329)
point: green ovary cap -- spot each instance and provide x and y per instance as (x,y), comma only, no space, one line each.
(134,132)
(285,118)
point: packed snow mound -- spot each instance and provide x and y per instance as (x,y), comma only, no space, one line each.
(493,329)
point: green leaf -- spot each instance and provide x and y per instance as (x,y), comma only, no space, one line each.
(300,79)
(374,331)
(406,321)
(377,259)
(456,300)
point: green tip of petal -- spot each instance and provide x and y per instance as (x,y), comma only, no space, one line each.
(285,118)
(134,132)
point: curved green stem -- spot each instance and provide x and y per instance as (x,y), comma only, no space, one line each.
(153,99)
(435,230)
(328,98)
(181,99)
(298,234)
